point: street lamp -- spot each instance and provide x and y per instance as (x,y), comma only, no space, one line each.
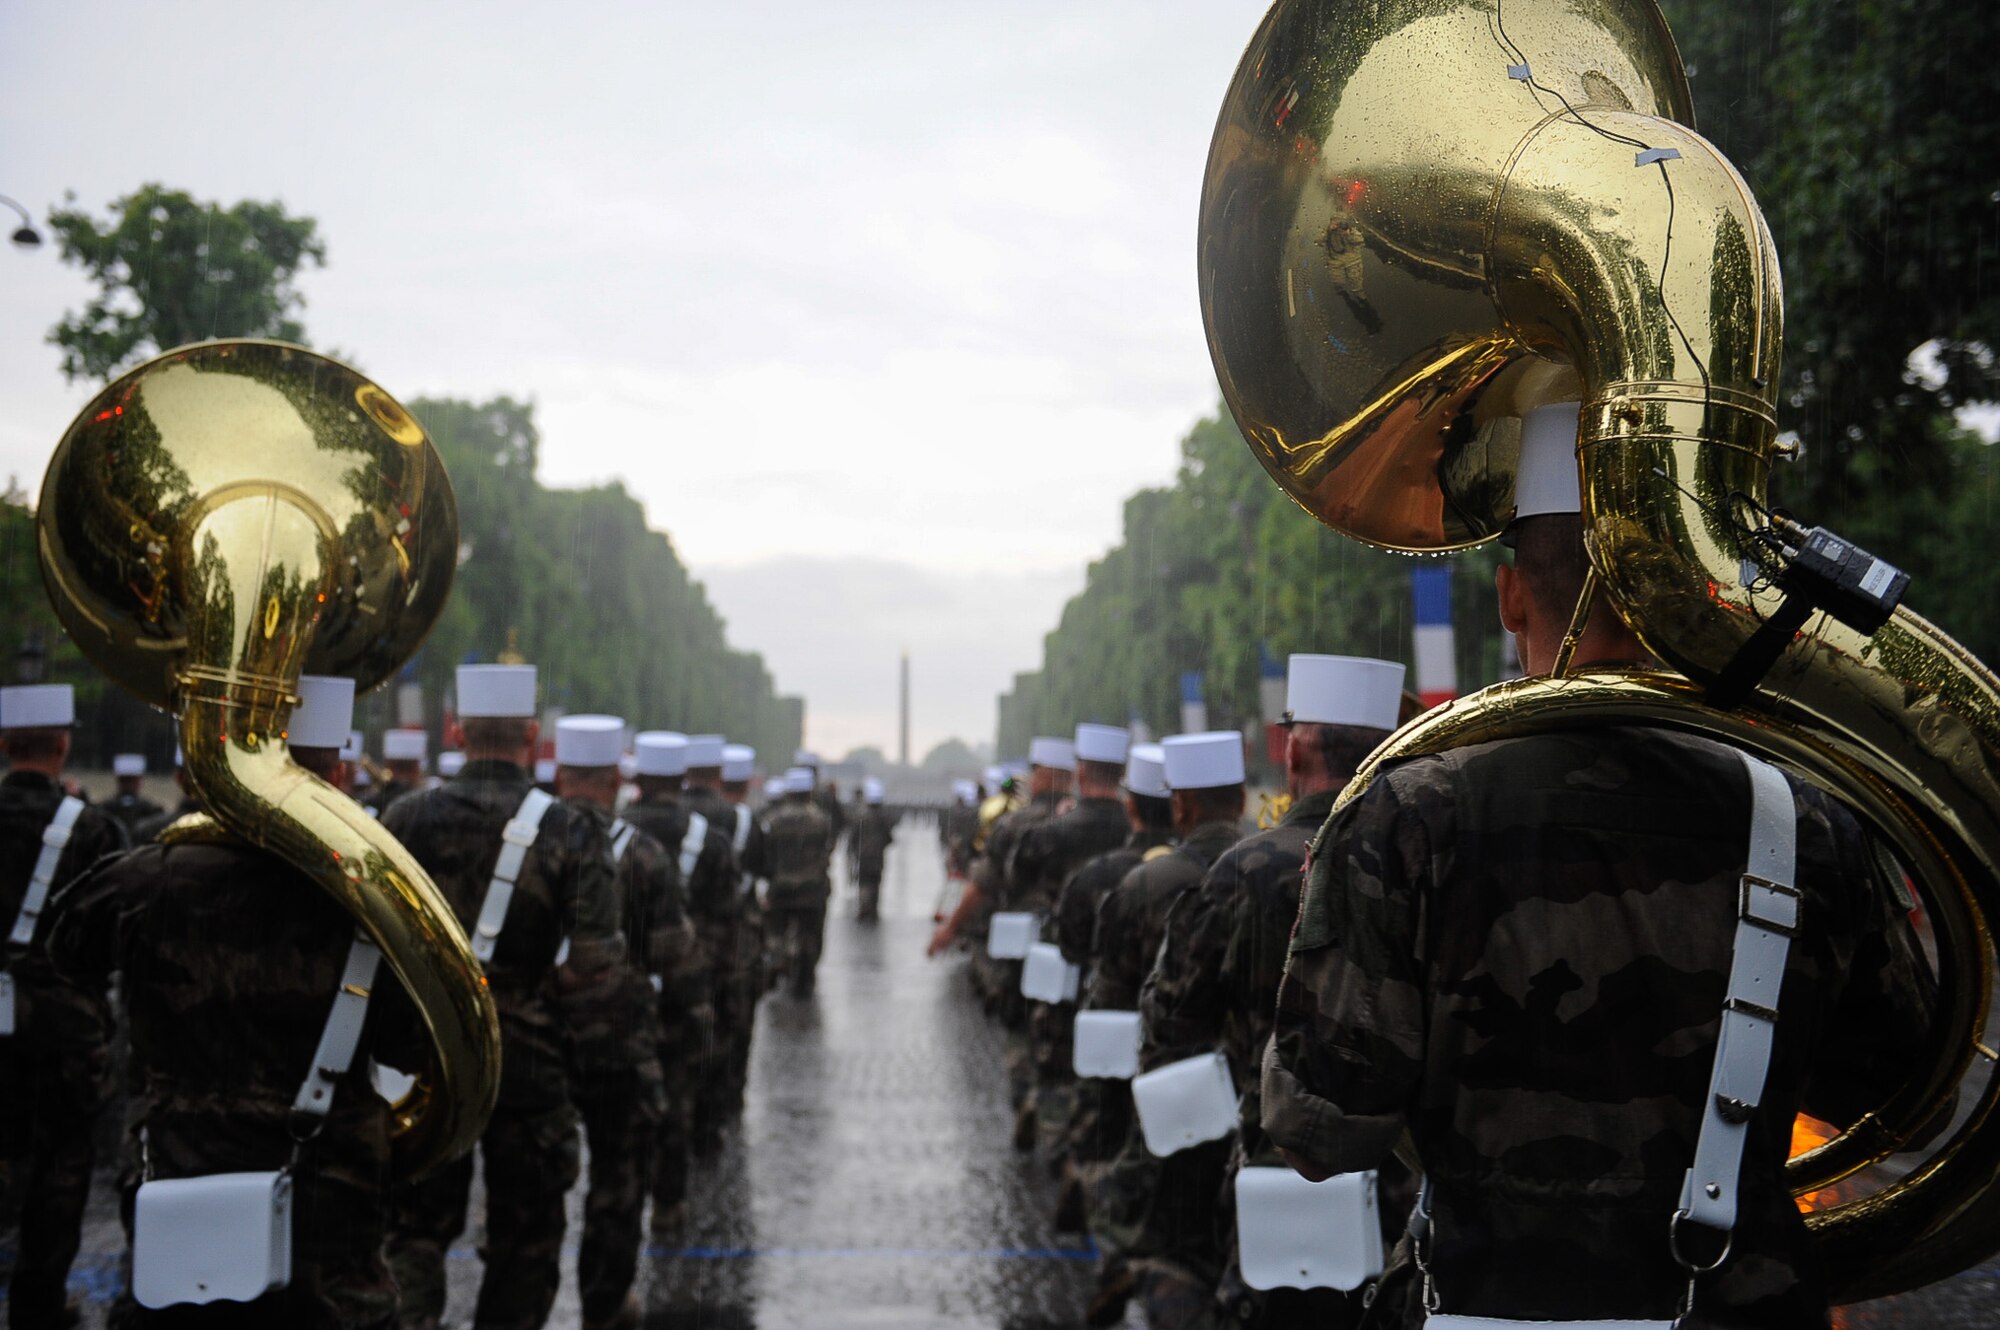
(25,235)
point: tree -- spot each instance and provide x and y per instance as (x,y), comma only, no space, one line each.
(953,757)
(172,270)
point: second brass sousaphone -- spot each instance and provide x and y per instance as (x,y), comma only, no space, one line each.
(1424,218)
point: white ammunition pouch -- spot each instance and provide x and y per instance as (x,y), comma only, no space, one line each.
(1106,1044)
(1047,977)
(227,1237)
(1291,1233)
(1010,934)
(1768,907)
(55,836)
(1185,1103)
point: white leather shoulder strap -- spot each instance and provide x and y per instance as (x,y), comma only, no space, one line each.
(515,842)
(54,837)
(742,836)
(342,1034)
(691,844)
(622,833)
(1767,919)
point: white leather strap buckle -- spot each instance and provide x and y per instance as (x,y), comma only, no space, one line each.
(55,837)
(515,841)
(697,835)
(342,1033)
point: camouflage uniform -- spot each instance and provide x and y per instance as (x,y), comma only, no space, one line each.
(1157,1214)
(148,831)
(52,1069)
(530,1146)
(1102,1109)
(387,793)
(798,845)
(715,904)
(623,1098)
(957,825)
(1517,952)
(229,961)
(1214,986)
(131,810)
(736,998)
(993,874)
(867,848)
(1044,858)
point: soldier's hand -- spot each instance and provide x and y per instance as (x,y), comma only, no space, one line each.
(942,937)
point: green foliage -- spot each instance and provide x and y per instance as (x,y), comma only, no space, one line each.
(1866,132)
(172,270)
(602,605)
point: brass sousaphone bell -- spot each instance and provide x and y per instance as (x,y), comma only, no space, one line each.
(219,521)
(1423,219)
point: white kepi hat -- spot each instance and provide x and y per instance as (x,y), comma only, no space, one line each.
(37,705)
(774,788)
(590,741)
(871,791)
(325,712)
(1102,743)
(1146,771)
(798,780)
(1546,481)
(545,770)
(351,750)
(1056,754)
(705,750)
(128,764)
(739,762)
(450,763)
(405,745)
(1205,761)
(661,753)
(1343,690)
(496,690)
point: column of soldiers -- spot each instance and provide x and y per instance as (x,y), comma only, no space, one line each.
(626,965)
(1134,859)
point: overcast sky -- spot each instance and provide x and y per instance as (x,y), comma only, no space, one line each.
(881,309)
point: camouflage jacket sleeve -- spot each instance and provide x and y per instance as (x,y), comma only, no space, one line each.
(713,899)
(1117,942)
(79,949)
(1074,916)
(578,855)
(1347,1050)
(1181,1002)
(656,915)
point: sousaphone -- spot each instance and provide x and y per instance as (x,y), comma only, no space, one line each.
(1424,218)
(219,521)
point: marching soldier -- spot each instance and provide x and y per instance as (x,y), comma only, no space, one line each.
(1044,858)
(519,908)
(53,1037)
(403,753)
(129,806)
(623,1101)
(706,867)
(1101,1109)
(867,847)
(1215,983)
(715,1096)
(1516,956)
(230,960)
(736,1023)
(148,831)
(1157,1215)
(798,847)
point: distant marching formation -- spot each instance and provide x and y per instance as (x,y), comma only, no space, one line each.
(629,902)
(1131,940)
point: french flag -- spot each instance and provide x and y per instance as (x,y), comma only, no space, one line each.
(1437,664)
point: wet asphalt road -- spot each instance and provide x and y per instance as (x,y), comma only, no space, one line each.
(870,1182)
